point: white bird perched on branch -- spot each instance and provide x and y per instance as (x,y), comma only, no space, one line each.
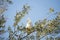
(28,25)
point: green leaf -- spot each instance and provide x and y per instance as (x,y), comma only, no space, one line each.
(51,10)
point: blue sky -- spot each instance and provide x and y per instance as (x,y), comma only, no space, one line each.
(39,9)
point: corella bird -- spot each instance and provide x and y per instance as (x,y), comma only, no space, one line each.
(28,25)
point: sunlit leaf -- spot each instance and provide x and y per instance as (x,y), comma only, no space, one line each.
(51,10)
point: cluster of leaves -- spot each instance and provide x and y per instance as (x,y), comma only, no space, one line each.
(21,14)
(3,1)
(3,7)
(18,18)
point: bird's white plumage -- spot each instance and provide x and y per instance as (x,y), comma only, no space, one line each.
(29,23)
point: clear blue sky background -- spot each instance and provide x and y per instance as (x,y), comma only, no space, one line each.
(39,9)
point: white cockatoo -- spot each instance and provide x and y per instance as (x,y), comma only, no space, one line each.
(29,24)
